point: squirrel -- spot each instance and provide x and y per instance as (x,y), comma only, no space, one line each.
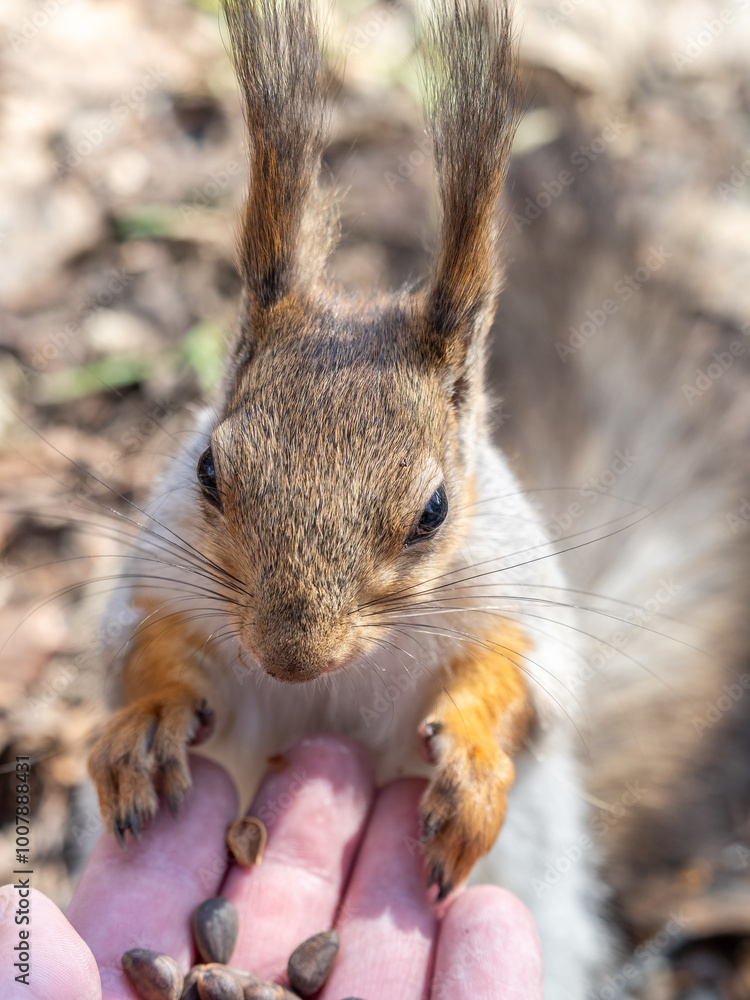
(340,546)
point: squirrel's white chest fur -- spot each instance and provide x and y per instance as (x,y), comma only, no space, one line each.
(506,567)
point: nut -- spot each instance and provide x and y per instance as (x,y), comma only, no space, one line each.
(152,975)
(215,926)
(246,839)
(190,989)
(311,962)
(190,986)
(268,991)
(246,979)
(216,982)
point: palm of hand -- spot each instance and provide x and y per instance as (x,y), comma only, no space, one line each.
(338,852)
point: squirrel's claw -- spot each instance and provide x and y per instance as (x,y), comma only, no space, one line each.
(431,824)
(134,822)
(437,877)
(119,831)
(120,828)
(144,748)
(463,807)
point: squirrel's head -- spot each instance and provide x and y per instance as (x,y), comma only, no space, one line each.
(338,478)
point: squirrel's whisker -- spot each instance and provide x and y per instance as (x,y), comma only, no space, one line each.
(545,489)
(493,647)
(120,532)
(467,637)
(547,602)
(419,588)
(180,623)
(514,610)
(120,581)
(131,503)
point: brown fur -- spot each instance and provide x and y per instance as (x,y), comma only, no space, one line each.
(472,92)
(166,693)
(480,721)
(339,422)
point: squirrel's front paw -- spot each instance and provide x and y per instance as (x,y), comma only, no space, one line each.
(143,749)
(463,808)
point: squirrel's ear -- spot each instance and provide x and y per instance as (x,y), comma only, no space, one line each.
(472,99)
(286,229)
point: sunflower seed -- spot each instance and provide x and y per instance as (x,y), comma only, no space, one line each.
(216,982)
(246,839)
(152,975)
(190,986)
(311,962)
(215,927)
(268,991)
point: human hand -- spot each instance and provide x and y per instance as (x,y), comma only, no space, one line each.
(338,852)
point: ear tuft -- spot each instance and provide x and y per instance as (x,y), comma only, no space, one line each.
(472,98)
(286,229)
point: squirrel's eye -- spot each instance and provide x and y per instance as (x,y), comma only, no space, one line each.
(432,516)
(206,473)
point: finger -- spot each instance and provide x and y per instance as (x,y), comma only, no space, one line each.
(315,811)
(144,897)
(58,963)
(387,924)
(488,949)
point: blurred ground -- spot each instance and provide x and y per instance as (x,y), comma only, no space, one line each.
(122,170)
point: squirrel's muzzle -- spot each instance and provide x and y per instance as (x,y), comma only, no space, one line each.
(296,642)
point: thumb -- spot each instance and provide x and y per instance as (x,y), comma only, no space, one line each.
(41,956)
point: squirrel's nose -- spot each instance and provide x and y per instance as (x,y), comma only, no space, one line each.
(295,638)
(296,658)
(296,668)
